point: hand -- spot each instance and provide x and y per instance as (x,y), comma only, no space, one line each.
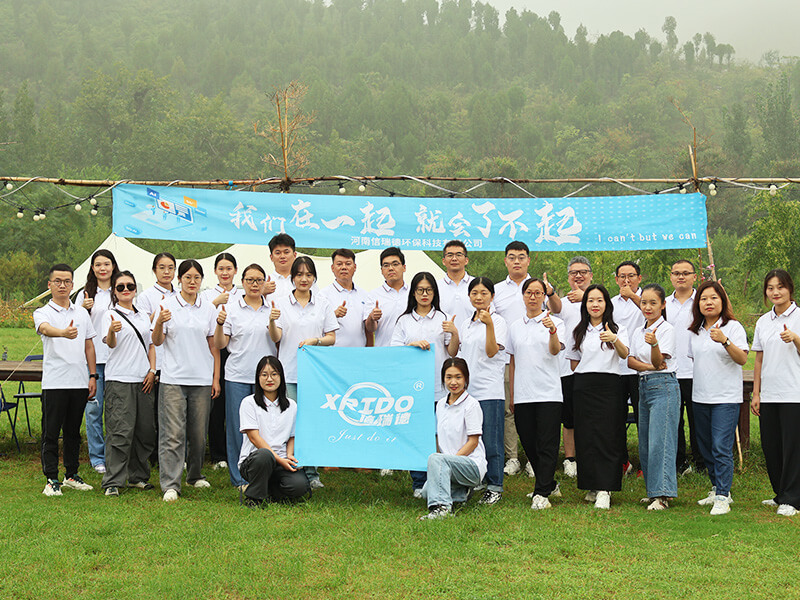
(163,315)
(650,337)
(755,405)
(221,299)
(661,367)
(575,296)
(221,316)
(92,387)
(548,287)
(115,326)
(484,317)
(88,303)
(275,313)
(215,389)
(376,313)
(341,310)
(309,342)
(548,322)
(71,332)
(424,344)
(787,335)
(627,292)
(608,336)
(289,463)
(147,384)
(269,287)
(450,326)
(716,334)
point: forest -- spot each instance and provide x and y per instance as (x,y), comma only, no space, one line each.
(178,90)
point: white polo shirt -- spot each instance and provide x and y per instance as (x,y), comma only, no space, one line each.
(102,303)
(717,378)
(508,302)
(486,375)
(454,297)
(680,315)
(392,304)
(627,314)
(351,332)
(127,361)
(249,340)
(412,327)
(595,356)
(187,356)
(537,373)
(780,369)
(64,366)
(299,323)
(211,294)
(665,335)
(456,422)
(571,315)
(148,302)
(274,426)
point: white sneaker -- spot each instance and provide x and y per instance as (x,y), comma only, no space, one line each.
(316,484)
(512,467)
(570,468)
(418,493)
(590,496)
(219,465)
(243,488)
(490,497)
(438,512)
(556,493)
(722,506)
(769,502)
(540,502)
(529,470)
(712,495)
(202,483)
(170,495)
(787,510)
(52,488)
(386,472)
(658,504)
(603,500)
(76,483)
(101,468)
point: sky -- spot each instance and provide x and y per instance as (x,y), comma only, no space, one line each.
(751,27)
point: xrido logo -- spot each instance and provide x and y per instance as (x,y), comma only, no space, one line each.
(369,403)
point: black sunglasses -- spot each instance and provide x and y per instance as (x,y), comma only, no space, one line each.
(121,287)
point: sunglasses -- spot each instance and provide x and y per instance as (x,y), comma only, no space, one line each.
(121,287)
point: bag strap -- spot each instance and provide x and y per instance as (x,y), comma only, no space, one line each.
(136,331)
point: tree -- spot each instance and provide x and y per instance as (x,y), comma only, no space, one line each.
(774,238)
(669,27)
(737,141)
(688,54)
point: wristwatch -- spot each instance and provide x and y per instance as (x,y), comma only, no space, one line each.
(94,375)
(727,342)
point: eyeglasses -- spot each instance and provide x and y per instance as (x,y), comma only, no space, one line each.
(629,276)
(423,291)
(61,282)
(581,272)
(165,268)
(536,294)
(251,281)
(450,255)
(192,278)
(682,273)
(512,258)
(121,287)
(391,265)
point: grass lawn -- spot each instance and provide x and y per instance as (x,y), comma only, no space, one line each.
(359,538)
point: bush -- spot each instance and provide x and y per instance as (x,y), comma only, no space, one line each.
(13,315)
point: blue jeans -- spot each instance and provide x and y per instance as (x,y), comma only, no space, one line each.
(450,478)
(235,392)
(659,408)
(716,432)
(94,422)
(493,424)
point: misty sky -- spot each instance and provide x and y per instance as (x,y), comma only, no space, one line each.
(752,27)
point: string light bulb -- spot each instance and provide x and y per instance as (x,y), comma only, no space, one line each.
(20,214)
(94,212)
(78,207)
(93,201)
(36,216)
(681,188)
(773,189)
(341,188)
(9,186)
(712,188)
(42,216)
(362,188)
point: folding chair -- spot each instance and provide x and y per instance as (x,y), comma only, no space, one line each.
(7,407)
(21,395)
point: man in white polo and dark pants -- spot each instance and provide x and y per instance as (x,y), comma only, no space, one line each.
(348,301)
(69,379)
(453,295)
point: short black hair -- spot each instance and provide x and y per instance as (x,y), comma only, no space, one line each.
(344,253)
(392,251)
(188,264)
(628,263)
(457,243)
(61,267)
(282,239)
(517,245)
(684,260)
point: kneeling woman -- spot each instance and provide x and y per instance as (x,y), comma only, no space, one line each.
(460,463)
(267,420)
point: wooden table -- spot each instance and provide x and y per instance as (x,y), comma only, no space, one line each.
(14,370)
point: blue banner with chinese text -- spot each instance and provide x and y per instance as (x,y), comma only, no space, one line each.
(653,222)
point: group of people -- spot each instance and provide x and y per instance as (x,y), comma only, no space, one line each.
(176,367)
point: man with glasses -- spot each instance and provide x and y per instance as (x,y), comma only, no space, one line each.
(627,312)
(347,300)
(388,301)
(679,313)
(69,379)
(453,295)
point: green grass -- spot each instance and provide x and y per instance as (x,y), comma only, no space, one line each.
(359,538)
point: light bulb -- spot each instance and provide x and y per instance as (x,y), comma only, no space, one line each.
(20,214)
(93,201)
(42,216)
(78,207)
(362,188)
(35,217)
(713,191)
(9,185)
(94,212)
(773,189)
(712,187)
(341,189)
(683,189)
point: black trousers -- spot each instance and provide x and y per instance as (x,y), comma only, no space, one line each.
(779,424)
(216,419)
(268,480)
(539,429)
(686,402)
(630,389)
(62,410)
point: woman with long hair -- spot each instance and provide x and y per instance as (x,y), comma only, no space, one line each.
(189,380)
(96,298)
(776,390)
(130,376)
(652,355)
(595,351)
(483,340)
(718,349)
(242,330)
(267,419)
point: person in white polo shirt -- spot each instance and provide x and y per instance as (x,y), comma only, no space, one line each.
(534,344)
(453,293)
(68,378)
(242,331)
(267,420)
(776,390)
(347,300)
(282,254)
(189,380)
(130,378)
(718,349)
(387,301)
(460,463)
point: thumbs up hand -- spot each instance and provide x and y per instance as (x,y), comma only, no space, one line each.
(548,287)
(650,337)
(341,310)
(88,303)
(222,299)
(115,326)
(548,322)
(269,287)
(163,315)
(275,313)
(607,335)
(376,313)
(71,332)
(716,334)
(787,335)
(450,326)
(222,315)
